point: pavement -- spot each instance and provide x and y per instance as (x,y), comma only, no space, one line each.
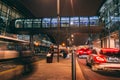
(61,70)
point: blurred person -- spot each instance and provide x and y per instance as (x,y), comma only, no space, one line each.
(51,50)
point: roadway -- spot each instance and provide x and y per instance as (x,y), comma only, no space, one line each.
(99,75)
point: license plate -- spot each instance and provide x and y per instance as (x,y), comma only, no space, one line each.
(113,59)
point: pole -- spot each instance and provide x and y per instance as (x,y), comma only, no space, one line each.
(31,43)
(73,66)
(58,21)
(109,38)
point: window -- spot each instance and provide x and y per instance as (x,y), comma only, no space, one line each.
(4,8)
(28,23)
(54,22)
(74,21)
(19,24)
(13,14)
(84,21)
(64,22)
(36,23)
(46,22)
(94,21)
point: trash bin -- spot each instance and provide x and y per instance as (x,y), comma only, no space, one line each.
(49,58)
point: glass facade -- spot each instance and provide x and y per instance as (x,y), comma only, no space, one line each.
(109,13)
(110,16)
(7,14)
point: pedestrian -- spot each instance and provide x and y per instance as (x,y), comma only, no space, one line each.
(51,50)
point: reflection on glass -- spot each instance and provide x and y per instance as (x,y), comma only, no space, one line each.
(94,20)
(36,23)
(23,37)
(46,22)
(4,8)
(28,23)
(54,22)
(115,21)
(64,22)
(19,24)
(84,21)
(74,21)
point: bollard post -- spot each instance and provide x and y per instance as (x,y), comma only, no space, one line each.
(73,66)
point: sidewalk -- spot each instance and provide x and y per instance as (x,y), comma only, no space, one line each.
(55,71)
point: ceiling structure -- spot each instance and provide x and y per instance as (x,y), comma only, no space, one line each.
(48,8)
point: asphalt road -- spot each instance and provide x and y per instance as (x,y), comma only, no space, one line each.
(99,75)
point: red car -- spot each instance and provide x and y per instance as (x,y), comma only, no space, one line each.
(83,52)
(106,59)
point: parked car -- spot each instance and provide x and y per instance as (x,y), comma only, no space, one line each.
(106,59)
(83,52)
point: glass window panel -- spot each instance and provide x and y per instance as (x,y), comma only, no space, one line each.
(36,23)
(115,21)
(84,21)
(24,37)
(10,11)
(64,22)
(17,16)
(13,14)
(19,23)
(0,5)
(46,22)
(54,22)
(4,8)
(3,16)
(74,21)
(28,23)
(94,20)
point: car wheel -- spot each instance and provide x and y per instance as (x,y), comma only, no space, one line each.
(93,68)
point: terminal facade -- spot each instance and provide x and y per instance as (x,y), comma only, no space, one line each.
(108,15)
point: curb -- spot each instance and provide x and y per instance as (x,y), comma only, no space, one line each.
(79,74)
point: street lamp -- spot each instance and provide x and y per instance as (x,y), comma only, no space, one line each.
(73,60)
(58,23)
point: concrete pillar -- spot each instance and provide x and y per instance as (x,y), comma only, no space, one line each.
(105,43)
(112,43)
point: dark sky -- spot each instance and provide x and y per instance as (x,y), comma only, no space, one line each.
(48,8)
